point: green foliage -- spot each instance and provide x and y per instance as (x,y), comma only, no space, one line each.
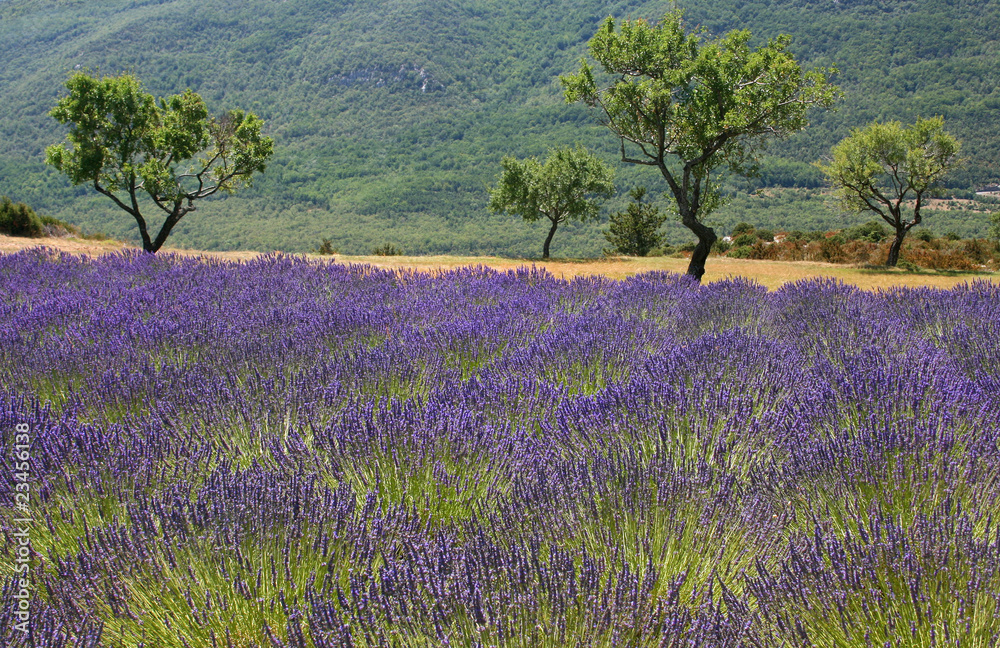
(127,145)
(692,106)
(741,228)
(635,231)
(326,247)
(387,249)
(744,239)
(721,246)
(872,231)
(18,219)
(881,166)
(995,230)
(764,234)
(567,186)
(740,252)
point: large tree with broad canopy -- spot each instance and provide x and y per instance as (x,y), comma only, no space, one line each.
(692,106)
(136,150)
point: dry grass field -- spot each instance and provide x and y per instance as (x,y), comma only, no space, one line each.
(772,274)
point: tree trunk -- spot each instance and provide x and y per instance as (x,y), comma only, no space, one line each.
(168,225)
(897,243)
(706,239)
(548,239)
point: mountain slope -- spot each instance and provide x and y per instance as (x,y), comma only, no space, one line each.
(391,116)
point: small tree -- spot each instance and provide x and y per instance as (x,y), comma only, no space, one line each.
(882,167)
(565,187)
(691,107)
(635,231)
(132,148)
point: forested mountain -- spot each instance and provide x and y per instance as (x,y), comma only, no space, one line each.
(391,116)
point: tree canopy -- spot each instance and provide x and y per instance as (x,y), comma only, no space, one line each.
(131,147)
(890,170)
(565,187)
(692,106)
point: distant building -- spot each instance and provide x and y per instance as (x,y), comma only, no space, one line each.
(989,190)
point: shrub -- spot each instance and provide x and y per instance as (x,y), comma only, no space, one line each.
(744,240)
(830,249)
(924,234)
(635,231)
(741,252)
(17,219)
(741,228)
(721,247)
(872,231)
(387,249)
(765,235)
(326,247)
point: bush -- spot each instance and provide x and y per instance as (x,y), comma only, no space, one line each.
(388,249)
(741,228)
(744,240)
(17,219)
(924,234)
(720,246)
(872,231)
(831,251)
(952,236)
(326,247)
(635,231)
(741,252)
(765,235)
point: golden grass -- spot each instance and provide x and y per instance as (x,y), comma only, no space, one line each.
(772,274)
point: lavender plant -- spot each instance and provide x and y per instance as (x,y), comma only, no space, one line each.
(290,453)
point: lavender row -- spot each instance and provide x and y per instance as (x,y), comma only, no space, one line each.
(281,452)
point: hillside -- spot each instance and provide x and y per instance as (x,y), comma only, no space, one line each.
(391,116)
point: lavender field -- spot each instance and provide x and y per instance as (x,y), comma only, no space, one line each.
(287,453)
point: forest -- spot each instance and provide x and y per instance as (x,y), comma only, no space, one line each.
(390,117)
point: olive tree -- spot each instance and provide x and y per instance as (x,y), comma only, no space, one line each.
(153,156)
(692,107)
(890,170)
(565,187)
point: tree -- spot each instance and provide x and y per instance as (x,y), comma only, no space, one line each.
(131,147)
(882,167)
(690,106)
(635,231)
(565,187)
